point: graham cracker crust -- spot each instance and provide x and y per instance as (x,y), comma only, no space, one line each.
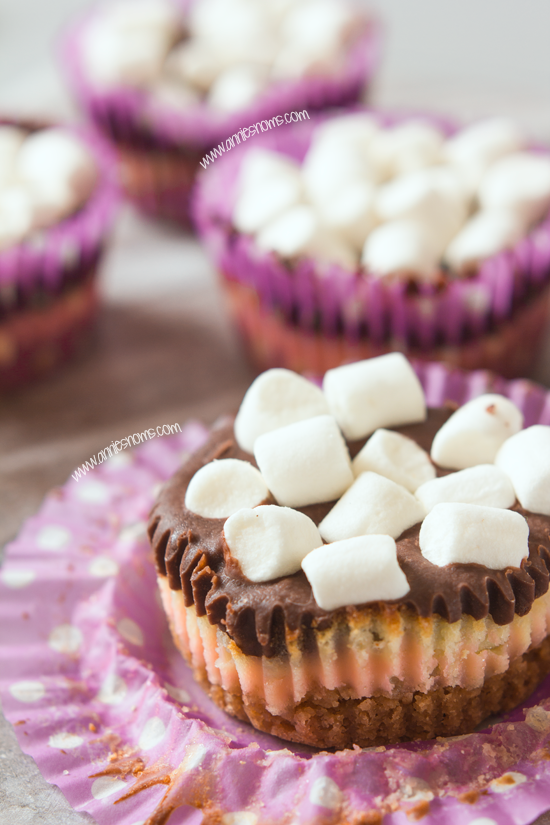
(327,720)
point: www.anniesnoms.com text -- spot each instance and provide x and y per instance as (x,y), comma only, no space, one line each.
(123,444)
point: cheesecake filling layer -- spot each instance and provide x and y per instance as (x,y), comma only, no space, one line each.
(368,653)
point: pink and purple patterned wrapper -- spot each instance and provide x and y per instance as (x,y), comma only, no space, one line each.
(103,702)
(338,305)
(144,128)
(65,253)
(48,295)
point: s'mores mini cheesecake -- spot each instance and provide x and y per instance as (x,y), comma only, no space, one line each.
(346,566)
(367,232)
(174,84)
(58,196)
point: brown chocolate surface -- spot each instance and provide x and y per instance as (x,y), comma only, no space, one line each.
(189,550)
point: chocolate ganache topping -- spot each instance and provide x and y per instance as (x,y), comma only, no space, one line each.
(190,550)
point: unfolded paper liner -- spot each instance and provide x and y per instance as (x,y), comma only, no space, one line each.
(100,698)
(311,316)
(160,147)
(48,297)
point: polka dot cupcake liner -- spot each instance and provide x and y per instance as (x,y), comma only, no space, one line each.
(48,297)
(312,317)
(160,148)
(102,701)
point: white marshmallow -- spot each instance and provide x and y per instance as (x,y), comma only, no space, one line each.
(378,392)
(220,488)
(519,183)
(275,399)
(290,234)
(475,432)
(525,458)
(117,55)
(484,484)
(406,148)
(470,534)
(317,27)
(195,63)
(482,143)
(373,505)
(434,197)
(329,166)
(229,24)
(258,204)
(305,463)
(485,234)
(16,215)
(355,571)
(11,139)
(350,212)
(354,131)
(403,246)
(174,94)
(299,231)
(236,88)
(269,541)
(53,158)
(396,457)
(261,165)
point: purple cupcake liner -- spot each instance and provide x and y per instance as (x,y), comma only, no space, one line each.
(334,301)
(130,116)
(63,255)
(103,702)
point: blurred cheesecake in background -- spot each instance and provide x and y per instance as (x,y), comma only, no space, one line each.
(168,81)
(57,200)
(367,232)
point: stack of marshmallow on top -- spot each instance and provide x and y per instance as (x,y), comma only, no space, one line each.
(402,200)
(297,433)
(226,52)
(44,177)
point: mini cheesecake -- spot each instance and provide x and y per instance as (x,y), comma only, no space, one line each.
(406,600)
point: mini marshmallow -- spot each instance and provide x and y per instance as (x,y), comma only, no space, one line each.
(470,534)
(299,231)
(355,571)
(406,147)
(11,139)
(354,130)
(396,457)
(275,399)
(434,197)
(229,24)
(223,487)
(485,234)
(258,204)
(236,88)
(317,27)
(291,233)
(261,165)
(474,148)
(525,458)
(475,432)
(195,63)
(116,56)
(53,157)
(372,505)
(350,212)
(174,94)
(269,541)
(305,463)
(329,166)
(403,246)
(484,484)
(378,392)
(519,183)
(16,215)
